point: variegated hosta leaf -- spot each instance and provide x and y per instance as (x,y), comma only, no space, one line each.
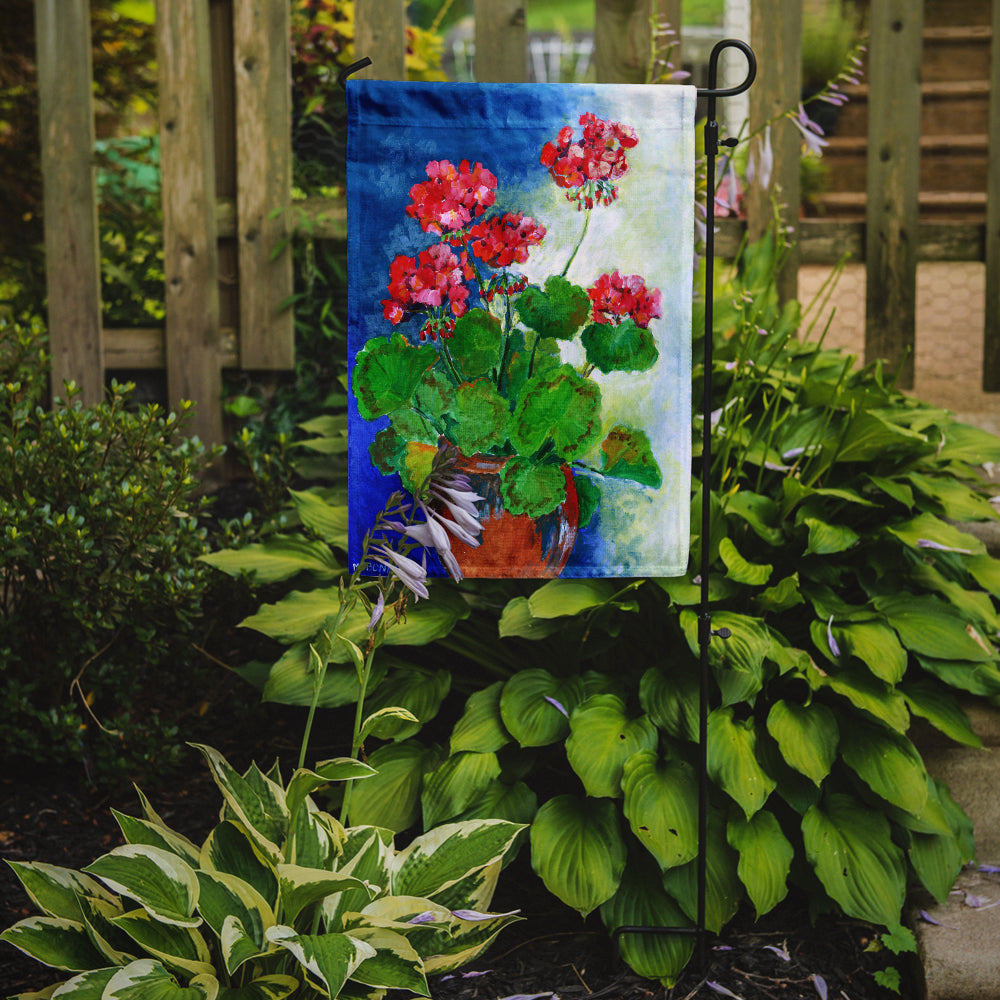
(230,849)
(602,737)
(177,947)
(391,799)
(274,987)
(86,986)
(765,858)
(535,706)
(807,736)
(481,727)
(888,763)
(304,782)
(456,784)
(850,847)
(329,959)
(256,801)
(441,857)
(54,941)
(395,964)
(116,947)
(149,980)
(578,851)
(225,897)
(158,880)
(315,838)
(367,853)
(642,902)
(466,941)
(238,944)
(661,799)
(300,887)
(141,831)
(732,760)
(476,890)
(56,891)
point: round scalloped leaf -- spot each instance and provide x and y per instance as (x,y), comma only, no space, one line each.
(559,311)
(531,489)
(627,454)
(481,417)
(558,406)
(475,343)
(625,347)
(386,373)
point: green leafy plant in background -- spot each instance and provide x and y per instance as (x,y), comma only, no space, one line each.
(280,899)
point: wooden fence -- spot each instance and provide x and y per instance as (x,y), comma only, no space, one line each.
(226,161)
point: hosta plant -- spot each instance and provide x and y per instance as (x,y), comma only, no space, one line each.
(279,900)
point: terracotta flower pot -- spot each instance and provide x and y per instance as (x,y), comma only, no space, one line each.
(515,545)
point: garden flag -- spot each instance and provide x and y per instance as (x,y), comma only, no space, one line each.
(520,280)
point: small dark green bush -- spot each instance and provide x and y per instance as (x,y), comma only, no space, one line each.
(100,587)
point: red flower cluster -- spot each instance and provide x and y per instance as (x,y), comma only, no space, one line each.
(502,241)
(616,296)
(433,283)
(589,166)
(504,284)
(452,196)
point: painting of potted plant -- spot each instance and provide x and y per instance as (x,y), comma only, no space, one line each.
(491,367)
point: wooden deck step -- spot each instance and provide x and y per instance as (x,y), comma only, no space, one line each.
(957,206)
(945,104)
(956,53)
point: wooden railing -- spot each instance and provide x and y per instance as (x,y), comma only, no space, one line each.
(226,161)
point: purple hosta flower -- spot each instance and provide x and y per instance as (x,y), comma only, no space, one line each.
(834,648)
(989,869)
(761,163)
(820,983)
(465,975)
(475,915)
(558,705)
(427,917)
(780,952)
(719,988)
(812,134)
(408,571)
(927,543)
(729,195)
(377,612)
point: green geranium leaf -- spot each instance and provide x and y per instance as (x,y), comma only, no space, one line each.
(560,407)
(807,736)
(481,417)
(627,454)
(765,858)
(625,347)
(732,760)
(386,451)
(386,373)
(534,490)
(475,344)
(578,851)
(434,395)
(588,495)
(558,311)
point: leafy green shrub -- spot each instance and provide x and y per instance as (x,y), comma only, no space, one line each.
(99,539)
(279,899)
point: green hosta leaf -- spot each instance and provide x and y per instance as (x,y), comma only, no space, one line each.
(928,528)
(98,914)
(558,598)
(231,850)
(976,678)
(937,859)
(941,709)
(528,710)
(56,891)
(330,959)
(661,798)
(828,539)
(304,782)
(301,887)
(850,847)
(869,436)
(765,858)
(54,941)
(965,443)
(888,763)
(417,689)
(627,454)
(466,941)
(671,699)
(876,646)
(147,979)
(481,728)
(558,407)
(475,343)
(163,884)
(723,889)
(865,692)
(141,831)
(292,679)
(387,372)
(807,736)
(279,558)
(532,489)
(738,661)
(986,572)
(783,595)
(624,347)
(225,897)
(752,574)
(438,859)
(578,851)
(732,760)
(274,987)
(641,901)
(976,605)
(391,798)
(181,948)
(683,591)
(931,628)
(481,417)
(327,520)
(602,738)
(456,784)
(395,964)
(956,500)
(760,512)
(515,803)
(559,311)
(517,620)
(238,944)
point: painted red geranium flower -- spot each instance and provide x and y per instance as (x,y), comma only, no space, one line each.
(505,240)
(616,296)
(588,167)
(452,196)
(434,283)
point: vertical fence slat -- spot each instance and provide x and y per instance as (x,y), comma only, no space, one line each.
(501,41)
(621,40)
(991,333)
(72,257)
(776,35)
(262,64)
(190,254)
(892,218)
(380,34)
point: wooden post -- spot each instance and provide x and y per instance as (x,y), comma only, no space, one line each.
(893,183)
(501,41)
(190,254)
(991,333)
(380,34)
(262,62)
(776,35)
(72,256)
(622,40)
